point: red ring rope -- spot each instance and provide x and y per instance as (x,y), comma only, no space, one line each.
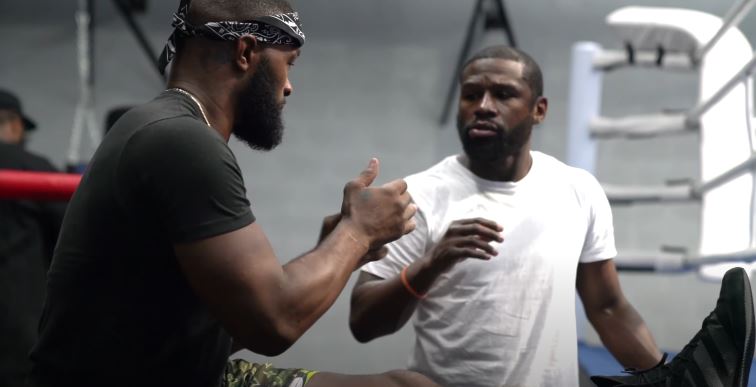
(37,185)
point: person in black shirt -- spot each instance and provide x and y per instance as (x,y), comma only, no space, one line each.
(28,230)
(160,263)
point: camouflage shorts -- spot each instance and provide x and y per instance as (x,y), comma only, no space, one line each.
(240,373)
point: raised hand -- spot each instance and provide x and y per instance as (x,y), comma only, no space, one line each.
(465,238)
(379,215)
(331,221)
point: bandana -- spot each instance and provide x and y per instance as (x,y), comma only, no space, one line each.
(282,29)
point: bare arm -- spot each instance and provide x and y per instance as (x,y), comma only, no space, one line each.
(380,307)
(621,328)
(266,307)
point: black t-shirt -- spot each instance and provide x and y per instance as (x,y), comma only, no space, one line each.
(28,230)
(119,310)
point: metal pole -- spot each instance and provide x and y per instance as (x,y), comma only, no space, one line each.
(144,43)
(733,17)
(749,128)
(86,80)
(695,114)
(732,173)
(502,11)
(461,61)
(91,39)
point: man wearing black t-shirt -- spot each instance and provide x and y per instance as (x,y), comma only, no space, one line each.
(160,262)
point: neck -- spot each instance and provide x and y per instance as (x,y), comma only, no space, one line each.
(511,167)
(214,97)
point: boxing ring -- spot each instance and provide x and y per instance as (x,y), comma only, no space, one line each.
(29,185)
(671,39)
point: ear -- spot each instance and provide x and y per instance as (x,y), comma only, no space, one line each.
(540,107)
(246,53)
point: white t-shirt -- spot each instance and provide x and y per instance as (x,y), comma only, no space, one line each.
(509,321)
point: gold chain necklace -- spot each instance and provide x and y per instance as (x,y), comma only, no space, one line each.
(193,98)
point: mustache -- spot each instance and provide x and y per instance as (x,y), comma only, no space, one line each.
(487,125)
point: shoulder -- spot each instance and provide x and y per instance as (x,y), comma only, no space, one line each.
(436,174)
(579,182)
(166,112)
(556,169)
(175,135)
(177,148)
(433,182)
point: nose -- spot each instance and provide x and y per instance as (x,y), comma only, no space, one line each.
(485,107)
(288,88)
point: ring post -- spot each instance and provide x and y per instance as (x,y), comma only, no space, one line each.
(583,105)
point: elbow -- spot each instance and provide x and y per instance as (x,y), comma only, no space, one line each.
(270,348)
(607,309)
(360,335)
(359,331)
(274,339)
(283,335)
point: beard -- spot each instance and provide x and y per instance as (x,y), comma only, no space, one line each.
(506,142)
(259,122)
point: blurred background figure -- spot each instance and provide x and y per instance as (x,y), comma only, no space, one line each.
(28,231)
(13,123)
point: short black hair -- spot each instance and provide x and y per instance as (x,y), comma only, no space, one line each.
(531,70)
(203,11)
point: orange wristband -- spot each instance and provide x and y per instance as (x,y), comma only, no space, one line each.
(407,285)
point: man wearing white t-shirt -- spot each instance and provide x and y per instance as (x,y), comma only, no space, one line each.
(504,236)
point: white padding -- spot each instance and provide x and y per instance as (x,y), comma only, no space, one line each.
(639,126)
(632,194)
(657,261)
(673,29)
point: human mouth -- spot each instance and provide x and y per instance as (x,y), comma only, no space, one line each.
(482,130)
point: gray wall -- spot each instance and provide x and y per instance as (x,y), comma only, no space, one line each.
(370,83)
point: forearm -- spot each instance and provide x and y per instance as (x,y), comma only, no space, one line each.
(626,336)
(382,306)
(311,283)
(379,308)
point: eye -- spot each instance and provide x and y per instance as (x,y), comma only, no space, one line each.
(470,96)
(292,59)
(504,94)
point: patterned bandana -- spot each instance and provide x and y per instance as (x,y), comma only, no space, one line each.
(283,29)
